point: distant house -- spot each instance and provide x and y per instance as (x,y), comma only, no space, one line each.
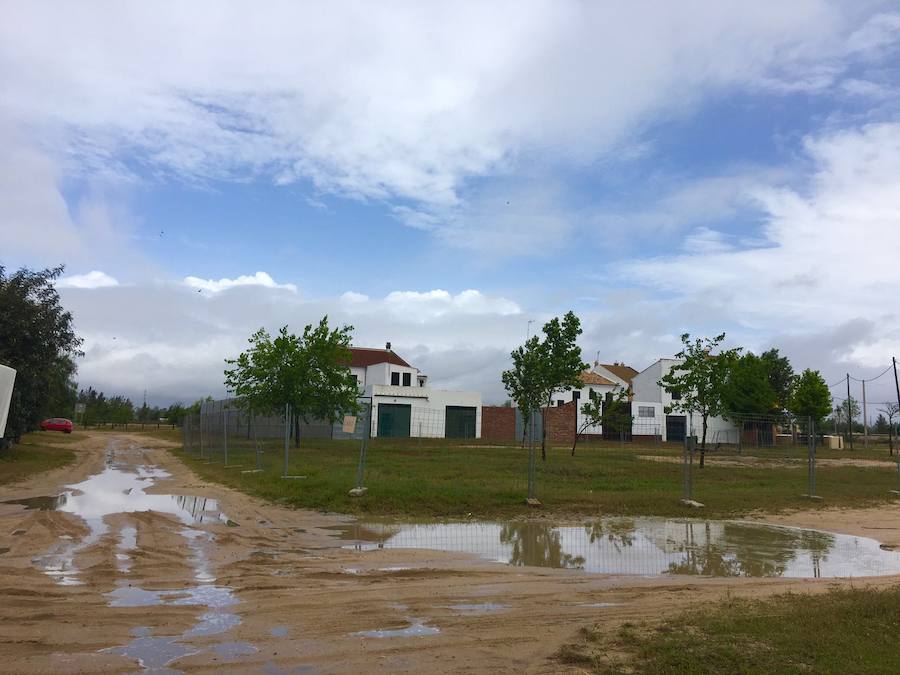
(649,403)
(402,403)
(597,383)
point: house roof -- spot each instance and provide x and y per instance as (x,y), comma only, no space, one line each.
(590,377)
(360,357)
(621,371)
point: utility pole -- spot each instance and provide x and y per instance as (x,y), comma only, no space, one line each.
(896,383)
(849,413)
(865,419)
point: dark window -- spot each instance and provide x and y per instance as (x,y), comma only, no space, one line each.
(676,395)
(395,379)
(576,395)
(646,411)
(560,402)
(407,379)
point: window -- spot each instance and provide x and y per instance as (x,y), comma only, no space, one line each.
(407,379)
(560,402)
(592,394)
(676,395)
(646,411)
(395,379)
(576,395)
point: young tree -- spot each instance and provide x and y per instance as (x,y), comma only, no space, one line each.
(37,338)
(522,381)
(748,389)
(700,378)
(308,372)
(543,367)
(781,376)
(811,397)
(891,410)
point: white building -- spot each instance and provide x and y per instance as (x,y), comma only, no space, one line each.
(649,403)
(601,380)
(402,404)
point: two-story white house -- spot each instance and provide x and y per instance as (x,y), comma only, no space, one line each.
(402,403)
(649,403)
(600,380)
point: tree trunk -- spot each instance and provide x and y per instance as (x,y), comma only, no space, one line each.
(544,433)
(577,436)
(703,444)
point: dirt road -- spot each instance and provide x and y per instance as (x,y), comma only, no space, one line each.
(210,580)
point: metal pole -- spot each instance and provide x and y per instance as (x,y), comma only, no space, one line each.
(531,456)
(225,432)
(811,442)
(865,419)
(364,445)
(849,413)
(287,431)
(200,426)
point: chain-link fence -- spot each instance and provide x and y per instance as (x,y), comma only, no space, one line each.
(467,460)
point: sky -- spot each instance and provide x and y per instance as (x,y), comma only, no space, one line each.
(447,176)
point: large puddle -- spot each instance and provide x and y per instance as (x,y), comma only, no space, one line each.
(643,546)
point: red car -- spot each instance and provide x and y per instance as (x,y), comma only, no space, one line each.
(57,424)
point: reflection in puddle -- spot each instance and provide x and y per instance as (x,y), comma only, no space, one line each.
(278,631)
(478,608)
(643,546)
(417,628)
(231,650)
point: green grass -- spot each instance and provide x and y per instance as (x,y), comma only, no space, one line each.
(37,452)
(448,479)
(842,631)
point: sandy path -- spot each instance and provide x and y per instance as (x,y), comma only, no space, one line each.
(290,600)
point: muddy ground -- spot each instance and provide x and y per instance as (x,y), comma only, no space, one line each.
(273,592)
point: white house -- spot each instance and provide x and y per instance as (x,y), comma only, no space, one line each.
(601,380)
(650,400)
(402,404)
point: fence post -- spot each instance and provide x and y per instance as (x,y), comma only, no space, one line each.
(811,448)
(287,431)
(225,431)
(200,427)
(363,446)
(531,500)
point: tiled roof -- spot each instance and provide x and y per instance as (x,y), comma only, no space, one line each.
(590,377)
(364,356)
(620,370)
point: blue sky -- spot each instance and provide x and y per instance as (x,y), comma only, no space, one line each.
(440,174)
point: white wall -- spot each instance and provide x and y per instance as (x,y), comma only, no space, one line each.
(7,380)
(428,407)
(380,373)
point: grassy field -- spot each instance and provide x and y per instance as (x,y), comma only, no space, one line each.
(39,451)
(842,631)
(452,479)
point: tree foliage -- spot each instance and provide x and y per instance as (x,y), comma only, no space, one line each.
(700,378)
(307,372)
(811,397)
(781,378)
(747,389)
(544,366)
(38,340)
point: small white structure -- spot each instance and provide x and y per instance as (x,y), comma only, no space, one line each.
(650,401)
(7,380)
(402,404)
(600,380)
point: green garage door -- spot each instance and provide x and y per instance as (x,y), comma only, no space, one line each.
(393,420)
(460,422)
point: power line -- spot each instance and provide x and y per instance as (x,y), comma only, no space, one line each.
(872,379)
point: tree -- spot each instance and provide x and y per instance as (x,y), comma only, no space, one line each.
(811,397)
(891,410)
(543,367)
(748,389)
(522,380)
(308,372)
(38,340)
(839,413)
(781,376)
(700,377)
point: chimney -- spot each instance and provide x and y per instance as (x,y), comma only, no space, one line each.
(387,346)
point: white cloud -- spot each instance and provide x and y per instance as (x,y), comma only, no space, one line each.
(405,103)
(354,298)
(219,285)
(828,256)
(418,306)
(93,279)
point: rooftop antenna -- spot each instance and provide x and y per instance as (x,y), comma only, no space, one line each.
(528,332)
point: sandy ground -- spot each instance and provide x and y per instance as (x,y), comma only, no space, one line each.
(278,595)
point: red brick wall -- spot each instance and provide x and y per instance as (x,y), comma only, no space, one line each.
(560,421)
(498,423)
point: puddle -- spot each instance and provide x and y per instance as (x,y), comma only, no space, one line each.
(417,628)
(278,631)
(643,547)
(478,608)
(232,650)
(599,604)
(153,653)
